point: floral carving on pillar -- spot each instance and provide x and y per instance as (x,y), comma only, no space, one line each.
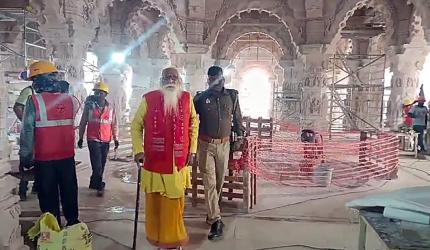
(314,87)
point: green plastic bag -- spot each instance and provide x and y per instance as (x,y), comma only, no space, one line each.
(51,237)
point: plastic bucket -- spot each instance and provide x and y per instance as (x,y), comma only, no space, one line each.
(323,175)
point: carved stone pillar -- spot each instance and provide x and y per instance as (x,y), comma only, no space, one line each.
(193,64)
(288,95)
(314,86)
(195,25)
(404,82)
(68,35)
(10,229)
(367,94)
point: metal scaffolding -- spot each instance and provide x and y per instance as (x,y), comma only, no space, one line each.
(20,43)
(357,94)
(20,36)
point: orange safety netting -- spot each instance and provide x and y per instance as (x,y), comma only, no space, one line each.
(342,160)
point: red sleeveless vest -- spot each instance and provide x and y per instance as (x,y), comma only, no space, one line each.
(100,124)
(54,136)
(166,139)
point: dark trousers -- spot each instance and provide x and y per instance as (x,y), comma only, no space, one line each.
(420,130)
(56,181)
(23,187)
(98,156)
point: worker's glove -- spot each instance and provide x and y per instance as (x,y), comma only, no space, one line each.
(116,142)
(139,158)
(191,159)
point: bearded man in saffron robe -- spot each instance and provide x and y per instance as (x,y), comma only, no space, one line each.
(164,135)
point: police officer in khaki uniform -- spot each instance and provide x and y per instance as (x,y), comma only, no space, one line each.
(219,113)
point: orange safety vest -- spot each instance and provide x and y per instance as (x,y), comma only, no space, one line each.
(100,124)
(54,135)
(166,139)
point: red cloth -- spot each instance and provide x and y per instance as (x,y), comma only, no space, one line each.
(166,135)
(54,135)
(100,124)
(406,119)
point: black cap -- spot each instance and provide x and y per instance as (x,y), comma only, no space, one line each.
(215,71)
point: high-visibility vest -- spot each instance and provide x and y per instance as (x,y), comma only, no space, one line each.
(166,136)
(54,135)
(100,124)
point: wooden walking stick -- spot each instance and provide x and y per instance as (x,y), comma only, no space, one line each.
(136,212)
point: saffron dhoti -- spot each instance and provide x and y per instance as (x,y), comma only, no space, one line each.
(164,221)
(164,207)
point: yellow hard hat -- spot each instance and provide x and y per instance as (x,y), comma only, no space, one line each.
(408,101)
(40,68)
(101,86)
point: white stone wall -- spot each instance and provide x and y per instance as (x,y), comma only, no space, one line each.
(10,230)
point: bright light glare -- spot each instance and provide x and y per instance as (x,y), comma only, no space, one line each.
(425,76)
(228,71)
(118,57)
(256,94)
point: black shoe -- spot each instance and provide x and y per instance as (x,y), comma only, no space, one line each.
(101,191)
(92,186)
(216,231)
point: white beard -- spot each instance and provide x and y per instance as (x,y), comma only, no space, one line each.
(171,97)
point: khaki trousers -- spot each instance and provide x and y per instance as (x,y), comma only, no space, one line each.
(213,162)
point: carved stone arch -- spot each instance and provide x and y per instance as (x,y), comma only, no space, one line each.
(167,9)
(236,53)
(233,52)
(346,8)
(422,8)
(226,38)
(277,8)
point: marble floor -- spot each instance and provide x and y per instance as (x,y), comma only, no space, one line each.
(284,218)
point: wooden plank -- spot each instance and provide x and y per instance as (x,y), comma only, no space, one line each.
(229,185)
(224,194)
(246,193)
(201,200)
(227,178)
(194,184)
(230,190)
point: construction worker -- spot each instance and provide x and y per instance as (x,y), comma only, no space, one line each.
(18,108)
(419,114)
(164,137)
(47,142)
(407,106)
(100,117)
